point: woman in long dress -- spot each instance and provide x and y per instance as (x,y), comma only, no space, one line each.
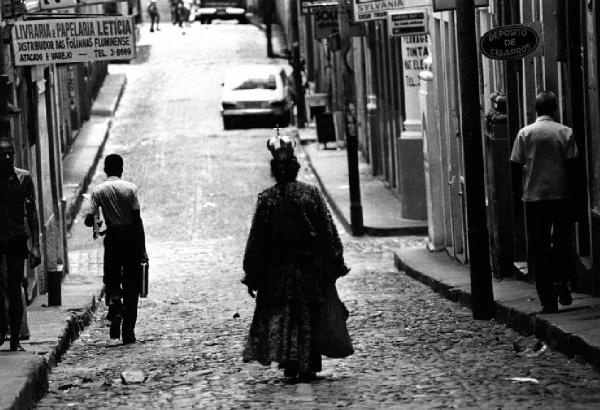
(293,250)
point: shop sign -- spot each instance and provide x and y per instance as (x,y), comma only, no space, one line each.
(509,42)
(366,10)
(312,6)
(326,22)
(407,23)
(61,4)
(445,5)
(73,40)
(415,49)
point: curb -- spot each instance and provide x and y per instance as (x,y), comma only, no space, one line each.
(334,207)
(74,202)
(369,230)
(37,379)
(526,324)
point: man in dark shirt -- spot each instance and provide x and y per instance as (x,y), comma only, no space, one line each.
(124,245)
(17,202)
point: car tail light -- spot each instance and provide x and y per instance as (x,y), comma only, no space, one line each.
(228,105)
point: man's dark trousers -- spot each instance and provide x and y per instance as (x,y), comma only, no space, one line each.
(122,275)
(14,252)
(549,249)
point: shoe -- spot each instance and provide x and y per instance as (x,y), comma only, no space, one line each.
(564,295)
(546,309)
(115,327)
(14,344)
(306,377)
(152,30)
(127,340)
(128,337)
(290,373)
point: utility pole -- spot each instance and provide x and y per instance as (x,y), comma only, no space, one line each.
(269,11)
(297,66)
(479,250)
(349,92)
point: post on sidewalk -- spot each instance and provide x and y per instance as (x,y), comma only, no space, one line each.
(297,66)
(349,92)
(479,252)
(268,12)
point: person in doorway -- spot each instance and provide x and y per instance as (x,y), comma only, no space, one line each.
(293,249)
(546,151)
(154,15)
(124,246)
(17,205)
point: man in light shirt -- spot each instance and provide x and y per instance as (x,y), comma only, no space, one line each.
(124,246)
(547,151)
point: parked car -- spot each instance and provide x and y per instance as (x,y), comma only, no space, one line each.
(258,91)
(208,10)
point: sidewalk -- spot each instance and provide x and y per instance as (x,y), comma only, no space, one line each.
(575,330)
(24,375)
(381,209)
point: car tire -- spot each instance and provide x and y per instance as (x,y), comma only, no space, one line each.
(227,123)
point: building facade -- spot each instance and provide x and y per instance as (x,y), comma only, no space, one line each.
(408,100)
(50,104)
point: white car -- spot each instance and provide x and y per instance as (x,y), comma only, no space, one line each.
(209,10)
(258,91)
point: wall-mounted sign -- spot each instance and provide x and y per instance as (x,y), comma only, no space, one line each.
(509,42)
(326,22)
(61,4)
(73,40)
(311,6)
(366,10)
(406,23)
(444,5)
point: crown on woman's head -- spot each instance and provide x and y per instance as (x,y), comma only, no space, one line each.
(281,147)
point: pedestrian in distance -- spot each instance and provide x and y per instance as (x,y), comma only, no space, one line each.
(547,153)
(179,13)
(154,15)
(124,246)
(293,256)
(17,205)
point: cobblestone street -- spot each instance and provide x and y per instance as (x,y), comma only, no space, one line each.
(198,187)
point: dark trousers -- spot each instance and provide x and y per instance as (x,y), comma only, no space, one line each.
(549,247)
(122,275)
(154,19)
(14,253)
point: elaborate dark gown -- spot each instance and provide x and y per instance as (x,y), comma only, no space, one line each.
(293,249)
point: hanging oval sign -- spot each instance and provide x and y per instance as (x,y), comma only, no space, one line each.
(509,42)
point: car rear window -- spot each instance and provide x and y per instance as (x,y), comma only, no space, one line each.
(254,83)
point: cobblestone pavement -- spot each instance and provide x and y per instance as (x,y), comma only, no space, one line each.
(198,186)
